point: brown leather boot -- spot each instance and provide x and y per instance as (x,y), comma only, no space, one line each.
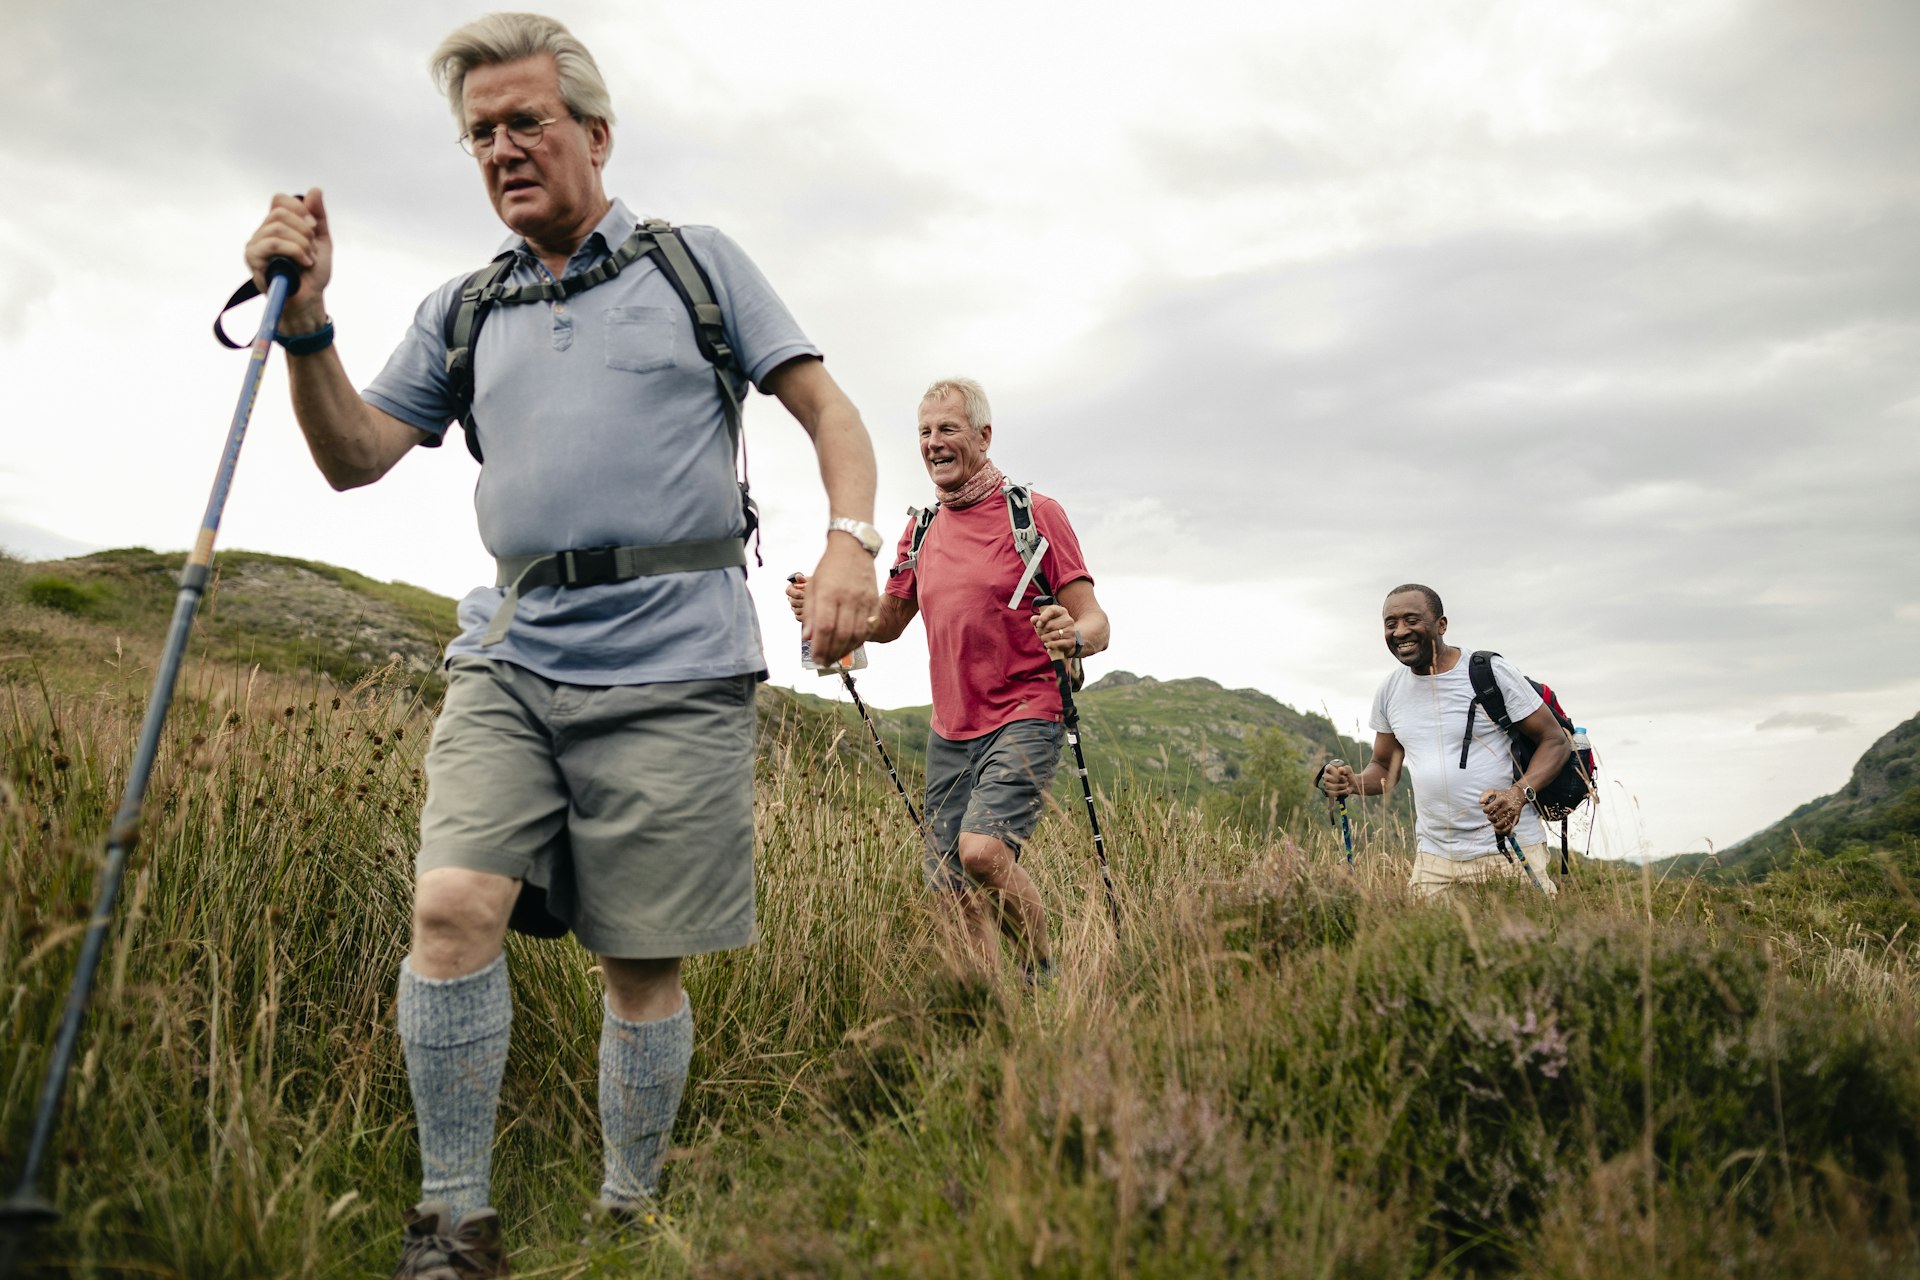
(433,1247)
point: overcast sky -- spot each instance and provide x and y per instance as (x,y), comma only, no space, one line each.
(1600,318)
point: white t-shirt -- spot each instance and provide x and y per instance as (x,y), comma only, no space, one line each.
(1428,714)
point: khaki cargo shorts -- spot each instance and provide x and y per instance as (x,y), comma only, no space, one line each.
(1434,875)
(630,805)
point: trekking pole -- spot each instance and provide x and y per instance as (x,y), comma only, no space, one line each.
(26,1208)
(846,678)
(1518,855)
(1070,717)
(1346,827)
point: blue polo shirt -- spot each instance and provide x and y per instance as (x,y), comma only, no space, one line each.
(603,426)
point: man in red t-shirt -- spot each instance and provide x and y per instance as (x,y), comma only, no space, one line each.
(997,730)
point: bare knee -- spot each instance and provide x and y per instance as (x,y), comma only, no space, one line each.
(642,990)
(459,920)
(985,859)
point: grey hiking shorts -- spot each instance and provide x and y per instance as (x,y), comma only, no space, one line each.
(994,785)
(631,805)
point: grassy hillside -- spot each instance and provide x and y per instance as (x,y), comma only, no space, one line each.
(80,619)
(1279,1066)
(1879,806)
(1239,753)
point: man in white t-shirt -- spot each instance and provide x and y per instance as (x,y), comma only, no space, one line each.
(1464,811)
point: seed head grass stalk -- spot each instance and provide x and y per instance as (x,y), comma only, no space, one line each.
(1279,1066)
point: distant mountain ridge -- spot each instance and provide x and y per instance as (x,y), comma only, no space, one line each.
(1879,803)
(75,621)
(1191,739)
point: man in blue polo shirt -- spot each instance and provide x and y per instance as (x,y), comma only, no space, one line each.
(596,744)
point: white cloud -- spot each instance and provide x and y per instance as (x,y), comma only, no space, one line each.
(1598,316)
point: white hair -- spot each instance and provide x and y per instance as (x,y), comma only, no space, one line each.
(979,412)
(508,37)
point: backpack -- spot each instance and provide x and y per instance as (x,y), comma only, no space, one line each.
(652,238)
(1026,541)
(1574,785)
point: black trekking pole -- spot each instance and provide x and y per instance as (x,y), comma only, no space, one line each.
(1070,717)
(846,678)
(26,1208)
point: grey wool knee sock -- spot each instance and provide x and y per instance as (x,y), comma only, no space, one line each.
(454,1032)
(643,1070)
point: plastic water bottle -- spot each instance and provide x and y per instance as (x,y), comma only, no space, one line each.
(1580,742)
(855,661)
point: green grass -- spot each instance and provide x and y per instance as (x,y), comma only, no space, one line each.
(101,613)
(1280,1067)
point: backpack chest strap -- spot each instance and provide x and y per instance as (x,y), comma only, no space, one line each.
(597,566)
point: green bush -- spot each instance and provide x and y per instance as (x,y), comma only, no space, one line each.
(78,598)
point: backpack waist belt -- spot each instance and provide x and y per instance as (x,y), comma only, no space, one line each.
(596,566)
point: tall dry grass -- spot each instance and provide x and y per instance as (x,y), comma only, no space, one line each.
(1280,1066)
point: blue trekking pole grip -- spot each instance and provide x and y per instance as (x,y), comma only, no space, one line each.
(25,1207)
(1346,827)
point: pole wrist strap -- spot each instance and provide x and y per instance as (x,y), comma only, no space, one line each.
(306,344)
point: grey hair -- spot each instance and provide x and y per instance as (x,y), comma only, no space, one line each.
(508,37)
(979,412)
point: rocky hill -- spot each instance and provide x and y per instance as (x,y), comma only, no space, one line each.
(1880,804)
(76,621)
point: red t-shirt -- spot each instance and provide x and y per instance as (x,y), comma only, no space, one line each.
(988,666)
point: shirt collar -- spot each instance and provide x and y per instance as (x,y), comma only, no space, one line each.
(611,231)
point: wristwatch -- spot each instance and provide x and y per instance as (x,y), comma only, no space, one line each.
(865,534)
(1527,791)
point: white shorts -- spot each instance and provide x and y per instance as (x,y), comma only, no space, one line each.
(1434,875)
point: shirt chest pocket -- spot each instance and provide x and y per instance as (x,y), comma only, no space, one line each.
(640,339)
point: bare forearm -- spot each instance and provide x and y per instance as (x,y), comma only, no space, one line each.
(1374,780)
(891,619)
(1549,757)
(846,460)
(1096,632)
(352,443)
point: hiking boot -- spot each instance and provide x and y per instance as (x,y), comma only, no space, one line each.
(433,1247)
(610,1223)
(1038,976)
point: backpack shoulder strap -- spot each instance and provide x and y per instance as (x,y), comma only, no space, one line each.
(689,279)
(1486,689)
(1486,692)
(461,329)
(1026,538)
(1020,516)
(922,520)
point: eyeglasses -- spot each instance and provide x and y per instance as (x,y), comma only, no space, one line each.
(526,133)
